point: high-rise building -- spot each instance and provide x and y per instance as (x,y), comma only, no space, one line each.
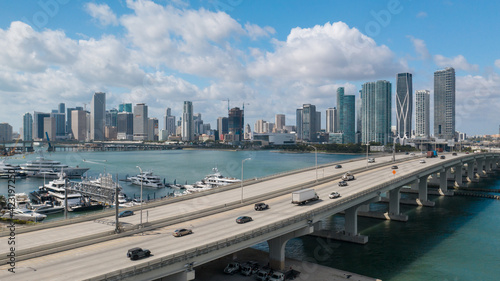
(60,129)
(259,126)
(38,130)
(27,127)
(331,120)
(140,122)
(79,124)
(125,126)
(49,127)
(422,113)
(309,122)
(62,109)
(125,107)
(349,102)
(187,122)
(298,123)
(5,132)
(318,121)
(69,116)
(340,109)
(97,116)
(235,123)
(198,124)
(444,103)
(404,104)
(111,117)
(376,112)
(280,121)
(152,129)
(359,117)
(222,127)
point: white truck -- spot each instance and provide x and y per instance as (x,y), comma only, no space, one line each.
(303,196)
(348,176)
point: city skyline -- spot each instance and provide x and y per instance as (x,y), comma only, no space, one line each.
(78,48)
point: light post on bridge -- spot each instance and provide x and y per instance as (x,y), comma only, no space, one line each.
(140,170)
(242,161)
(367,148)
(316,159)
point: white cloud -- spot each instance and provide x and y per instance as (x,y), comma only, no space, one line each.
(331,51)
(422,14)
(497,63)
(102,13)
(459,63)
(420,48)
(254,31)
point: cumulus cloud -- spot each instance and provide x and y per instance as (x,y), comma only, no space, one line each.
(102,13)
(254,31)
(420,48)
(497,63)
(333,51)
(459,63)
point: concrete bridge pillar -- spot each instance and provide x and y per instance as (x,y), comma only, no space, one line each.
(470,171)
(487,165)
(422,188)
(448,173)
(394,200)
(443,180)
(458,175)
(277,245)
(480,166)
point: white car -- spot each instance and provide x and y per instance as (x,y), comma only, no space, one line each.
(422,161)
(334,195)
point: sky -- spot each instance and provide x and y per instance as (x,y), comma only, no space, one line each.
(269,56)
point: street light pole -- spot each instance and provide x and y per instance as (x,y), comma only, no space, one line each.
(242,161)
(367,147)
(316,158)
(140,170)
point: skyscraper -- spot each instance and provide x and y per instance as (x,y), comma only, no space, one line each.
(49,127)
(259,126)
(404,103)
(280,121)
(349,102)
(187,122)
(235,123)
(444,103)
(340,109)
(222,127)
(309,122)
(422,113)
(125,126)
(79,124)
(298,123)
(27,127)
(331,120)
(97,116)
(376,112)
(5,132)
(60,129)
(125,107)
(38,130)
(140,122)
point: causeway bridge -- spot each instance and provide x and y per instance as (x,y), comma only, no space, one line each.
(88,248)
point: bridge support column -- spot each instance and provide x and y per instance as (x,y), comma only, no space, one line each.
(480,167)
(422,191)
(487,167)
(394,208)
(277,245)
(443,181)
(458,175)
(470,171)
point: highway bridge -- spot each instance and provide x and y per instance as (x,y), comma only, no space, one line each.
(89,248)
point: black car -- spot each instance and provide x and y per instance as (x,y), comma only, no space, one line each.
(442,157)
(454,154)
(342,183)
(137,253)
(338,166)
(125,213)
(394,167)
(243,219)
(261,206)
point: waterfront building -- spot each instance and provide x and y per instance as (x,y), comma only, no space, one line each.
(152,129)
(60,129)
(404,104)
(187,122)
(125,126)
(69,117)
(248,132)
(79,124)
(5,132)
(340,110)
(336,138)
(318,121)
(268,127)
(140,126)
(27,127)
(359,117)
(331,120)
(97,116)
(235,123)
(111,133)
(422,113)
(197,124)
(349,103)
(444,103)
(280,122)
(222,127)
(298,123)
(111,117)
(376,112)
(274,138)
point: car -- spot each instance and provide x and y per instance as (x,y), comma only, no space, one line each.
(137,253)
(454,154)
(232,268)
(181,232)
(406,153)
(261,206)
(394,167)
(348,176)
(412,154)
(467,152)
(371,160)
(338,166)
(342,183)
(422,161)
(334,195)
(264,274)
(243,219)
(442,157)
(125,213)
(249,268)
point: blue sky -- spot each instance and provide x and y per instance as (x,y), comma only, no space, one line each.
(272,55)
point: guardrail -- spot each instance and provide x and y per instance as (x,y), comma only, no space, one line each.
(197,251)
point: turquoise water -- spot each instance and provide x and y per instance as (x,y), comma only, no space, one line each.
(455,240)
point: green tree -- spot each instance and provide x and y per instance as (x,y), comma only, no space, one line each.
(3,202)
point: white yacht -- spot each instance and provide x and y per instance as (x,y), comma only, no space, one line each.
(217,179)
(46,208)
(42,167)
(146,179)
(57,190)
(8,170)
(25,215)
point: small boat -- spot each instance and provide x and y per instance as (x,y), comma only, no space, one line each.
(24,214)
(146,179)
(46,208)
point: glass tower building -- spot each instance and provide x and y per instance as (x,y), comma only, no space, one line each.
(444,103)
(404,104)
(376,112)
(422,113)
